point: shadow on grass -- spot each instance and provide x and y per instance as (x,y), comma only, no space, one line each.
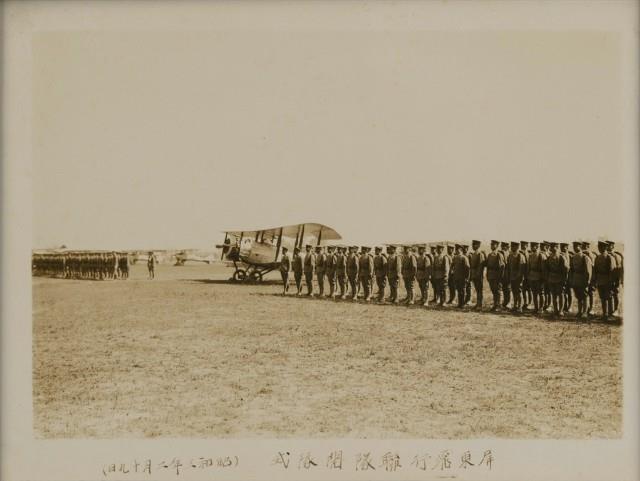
(269,282)
(549,317)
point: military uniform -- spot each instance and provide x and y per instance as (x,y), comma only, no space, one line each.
(566,290)
(557,272)
(341,272)
(460,267)
(352,272)
(581,271)
(526,289)
(380,271)
(506,281)
(603,277)
(409,271)
(423,276)
(450,282)
(394,270)
(330,271)
(285,268)
(535,272)
(309,270)
(298,269)
(591,287)
(495,273)
(617,276)
(321,261)
(516,266)
(365,272)
(440,276)
(477,264)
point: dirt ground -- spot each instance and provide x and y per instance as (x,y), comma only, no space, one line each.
(189,355)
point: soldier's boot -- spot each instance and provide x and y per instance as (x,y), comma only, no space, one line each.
(616,303)
(568,300)
(536,304)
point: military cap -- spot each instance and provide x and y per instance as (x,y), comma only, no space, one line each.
(378,248)
(296,249)
(534,244)
(603,243)
(318,248)
(515,244)
(391,247)
(553,244)
(504,244)
(545,243)
(611,243)
(564,244)
(524,243)
(308,245)
(493,241)
(422,247)
(456,246)
(331,247)
(353,247)
(585,244)
(475,242)
(285,249)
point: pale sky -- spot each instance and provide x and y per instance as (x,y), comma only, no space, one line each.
(163,139)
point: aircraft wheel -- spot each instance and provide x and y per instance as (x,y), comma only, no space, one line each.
(240,275)
(255,277)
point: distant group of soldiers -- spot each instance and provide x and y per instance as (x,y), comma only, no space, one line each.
(537,276)
(82,265)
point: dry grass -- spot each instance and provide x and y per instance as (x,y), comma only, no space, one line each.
(180,356)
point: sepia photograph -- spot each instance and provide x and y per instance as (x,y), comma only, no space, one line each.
(260,227)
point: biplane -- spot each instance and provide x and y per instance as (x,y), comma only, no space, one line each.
(191,255)
(255,253)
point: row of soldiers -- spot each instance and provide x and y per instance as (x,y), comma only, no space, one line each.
(540,276)
(82,265)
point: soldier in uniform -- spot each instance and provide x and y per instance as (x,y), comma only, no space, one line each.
(352,271)
(516,265)
(586,250)
(581,271)
(602,273)
(546,304)
(380,271)
(285,267)
(495,273)
(365,272)
(467,287)
(460,268)
(409,271)
(432,248)
(330,270)
(298,268)
(394,270)
(309,269)
(440,277)
(341,271)
(526,291)
(557,272)
(535,270)
(151,263)
(450,281)
(506,281)
(617,275)
(321,261)
(564,252)
(423,274)
(477,264)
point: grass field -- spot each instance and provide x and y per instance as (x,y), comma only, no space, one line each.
(189,355)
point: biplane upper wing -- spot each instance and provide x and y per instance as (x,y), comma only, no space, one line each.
(294,231)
